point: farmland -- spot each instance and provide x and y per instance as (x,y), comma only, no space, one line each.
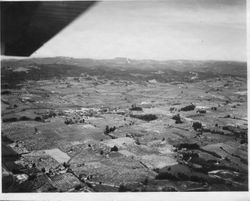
(82,125)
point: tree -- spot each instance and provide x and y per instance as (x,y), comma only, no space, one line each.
(43,170)
(106,130)
(114,148)
(66,165)
(197,126)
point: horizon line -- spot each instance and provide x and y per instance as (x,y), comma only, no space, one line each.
(5,57)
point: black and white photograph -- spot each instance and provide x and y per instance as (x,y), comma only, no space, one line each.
(124,96)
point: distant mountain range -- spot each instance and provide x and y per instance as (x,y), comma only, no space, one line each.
(118,68)
(128,63)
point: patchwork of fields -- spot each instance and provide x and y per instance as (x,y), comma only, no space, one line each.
(104,126)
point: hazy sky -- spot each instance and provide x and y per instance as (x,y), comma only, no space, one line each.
(172,29)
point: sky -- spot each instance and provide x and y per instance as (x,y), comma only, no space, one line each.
(160,30)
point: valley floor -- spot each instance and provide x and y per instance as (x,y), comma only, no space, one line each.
(85,134)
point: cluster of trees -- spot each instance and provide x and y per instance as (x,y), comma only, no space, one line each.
(201,111)
(188,108)
(197,126)
(114,148)
(177,119)
(73,121)
(109,129)
(145,117)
